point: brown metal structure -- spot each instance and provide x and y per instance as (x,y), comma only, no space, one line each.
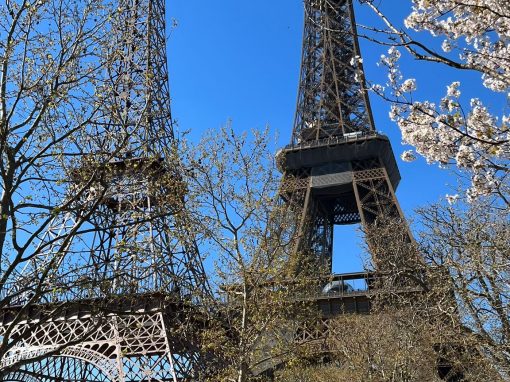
(338,169)
(116,305)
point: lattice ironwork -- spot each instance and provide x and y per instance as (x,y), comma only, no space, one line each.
(350,170)
(334,140)
(61,369)
(124,269)
(136,238)
(135,345)
(374,195)
(292,184)
(332,99)
(351,175)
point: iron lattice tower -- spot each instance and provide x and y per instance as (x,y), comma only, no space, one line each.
(130,251)
(337,169)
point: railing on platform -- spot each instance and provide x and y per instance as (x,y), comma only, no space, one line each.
(314,288)
(336,140)
(84,287)
(338,286)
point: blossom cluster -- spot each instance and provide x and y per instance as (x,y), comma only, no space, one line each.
(478,29)
(454,131)
(476,142)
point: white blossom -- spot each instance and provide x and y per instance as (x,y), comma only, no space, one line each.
(356,60)
(453,90)
(483,25)
(391,62)
(408,156)
(447,104)
(408,85)
(446,46)
(452,199)
(377,88)
(452,132)
(465,156)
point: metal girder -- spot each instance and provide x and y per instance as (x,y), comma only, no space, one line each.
(127,238)
(129,347)
(127,234)
(367,197)
(338,170)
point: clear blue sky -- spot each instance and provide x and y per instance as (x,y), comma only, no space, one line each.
(239,60)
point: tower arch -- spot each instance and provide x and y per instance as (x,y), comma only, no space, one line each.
(73,363)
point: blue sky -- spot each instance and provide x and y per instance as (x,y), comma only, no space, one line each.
(239,60)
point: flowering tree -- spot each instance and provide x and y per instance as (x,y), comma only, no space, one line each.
(473,35)
(233,185)
(471,246)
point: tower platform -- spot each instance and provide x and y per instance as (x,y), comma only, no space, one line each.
(336,155)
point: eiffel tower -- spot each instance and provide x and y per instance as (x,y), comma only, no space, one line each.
(338,169)
(126,270)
